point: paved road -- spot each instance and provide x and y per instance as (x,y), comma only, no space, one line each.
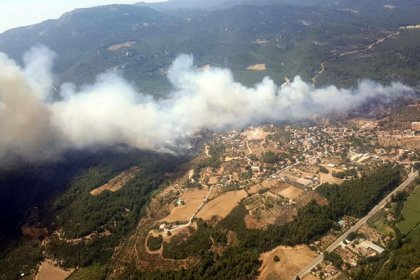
(357,226)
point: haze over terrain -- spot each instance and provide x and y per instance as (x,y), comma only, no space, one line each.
(19,13)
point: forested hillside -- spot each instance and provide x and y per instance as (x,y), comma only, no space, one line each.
(289,38)
(61,193)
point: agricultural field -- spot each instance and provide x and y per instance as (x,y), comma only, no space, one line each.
(309,277)
(328,178)
(411,212)
(118,182)
(255,188)
(222,205)
(48,271)
(288,191)
(285,262)
(379,223)
(192,199)
(93,272)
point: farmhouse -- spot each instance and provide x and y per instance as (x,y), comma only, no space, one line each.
(366,244)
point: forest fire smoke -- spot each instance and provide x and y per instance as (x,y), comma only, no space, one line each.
(36,126)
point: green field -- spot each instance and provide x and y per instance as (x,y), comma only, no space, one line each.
(379,223)
(411,212)
(87,273)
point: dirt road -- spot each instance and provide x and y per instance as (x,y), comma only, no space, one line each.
(371,46)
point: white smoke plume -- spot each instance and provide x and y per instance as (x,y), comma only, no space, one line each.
(111,111)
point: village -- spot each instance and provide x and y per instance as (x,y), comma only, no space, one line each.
(275,170)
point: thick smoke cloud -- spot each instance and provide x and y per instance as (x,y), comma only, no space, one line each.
(111,111)
(25,130)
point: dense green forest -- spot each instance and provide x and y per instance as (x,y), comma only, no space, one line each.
(241,260)
(107,218)
(357,197)
(197,244)
(25,256)
(36,185)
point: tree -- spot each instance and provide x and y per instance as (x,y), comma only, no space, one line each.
(270,157)
(322,169)
(253,157)
(334,258)
(351,236)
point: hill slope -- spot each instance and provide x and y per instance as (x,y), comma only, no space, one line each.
(142,43)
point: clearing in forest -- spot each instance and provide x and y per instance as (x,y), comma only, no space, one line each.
(125,45)
(328,178)
(222,205)
(257,67)
(287,191)
(191,200)
(117,182)
(290,261)
(48,271)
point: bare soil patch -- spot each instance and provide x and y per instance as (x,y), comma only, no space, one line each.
(261,41)
(222,205)
(287,191)
(255,134)
(415,271)
(328,178)
(257,67)
(292,260)
(406,142)
(269,183)
(48,271)
(125,45)
(251,222)
(255,188)
(364,123)
(310,277)
(213,180)
(192,200)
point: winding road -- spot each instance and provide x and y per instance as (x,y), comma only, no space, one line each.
(371,46)
(358,225)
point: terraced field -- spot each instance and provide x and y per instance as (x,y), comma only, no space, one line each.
(87,273)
